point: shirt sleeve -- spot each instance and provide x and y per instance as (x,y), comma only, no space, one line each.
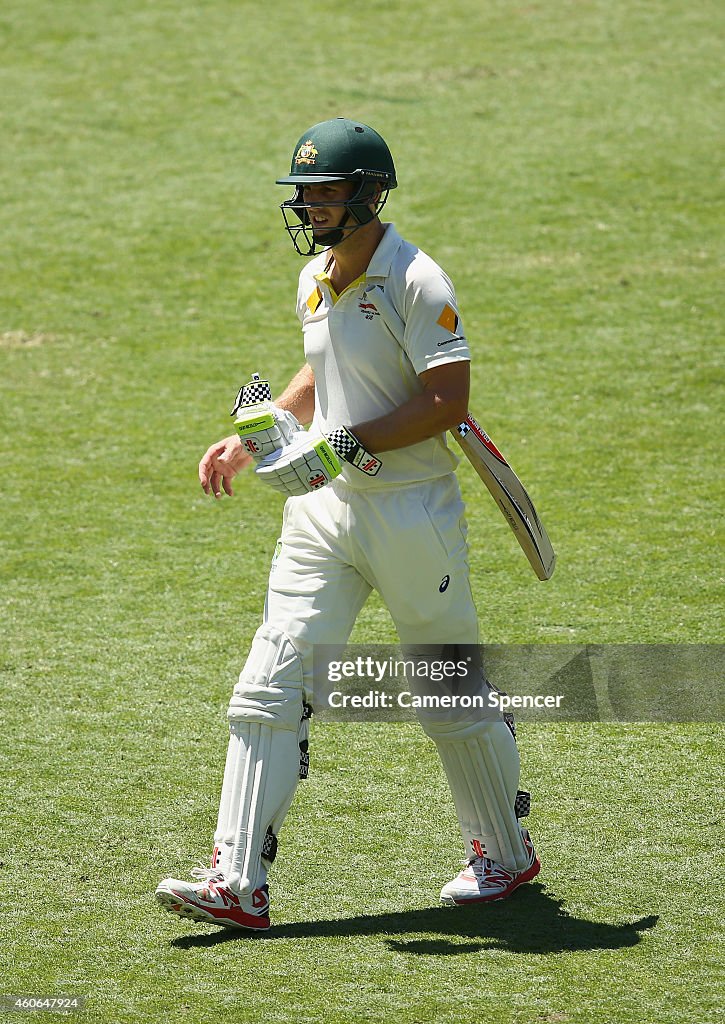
(309,294)
(434,332)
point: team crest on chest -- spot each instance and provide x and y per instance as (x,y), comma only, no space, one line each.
(368,309)
(306,154)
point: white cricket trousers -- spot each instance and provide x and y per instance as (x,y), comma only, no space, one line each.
(337,544)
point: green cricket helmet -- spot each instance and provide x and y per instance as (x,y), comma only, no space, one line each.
(337,150)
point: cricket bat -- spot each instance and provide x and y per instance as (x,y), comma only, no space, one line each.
(509,494)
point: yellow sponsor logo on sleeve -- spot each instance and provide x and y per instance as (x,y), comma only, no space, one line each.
(448,319)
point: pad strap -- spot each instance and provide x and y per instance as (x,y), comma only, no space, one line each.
(269,845)
(304,740)
(522,804)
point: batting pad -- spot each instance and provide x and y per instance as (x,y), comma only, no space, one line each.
(481,761)
(263,757)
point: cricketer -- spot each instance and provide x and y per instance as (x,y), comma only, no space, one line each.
(372,502)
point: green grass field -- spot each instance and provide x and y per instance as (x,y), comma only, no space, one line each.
(561,161)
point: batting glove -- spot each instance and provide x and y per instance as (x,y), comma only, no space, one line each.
(311,460)
(262,427)
(306,464)
(348,448)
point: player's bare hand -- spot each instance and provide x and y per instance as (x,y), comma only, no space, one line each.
(220,464)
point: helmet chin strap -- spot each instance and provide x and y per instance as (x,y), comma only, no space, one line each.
(329,239)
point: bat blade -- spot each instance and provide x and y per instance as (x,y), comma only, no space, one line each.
(509,494)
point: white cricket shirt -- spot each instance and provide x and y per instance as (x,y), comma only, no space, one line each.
(367,346)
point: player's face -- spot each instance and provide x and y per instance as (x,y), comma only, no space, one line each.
(327,213)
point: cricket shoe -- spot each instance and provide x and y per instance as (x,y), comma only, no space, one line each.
(212,900)
(483,880)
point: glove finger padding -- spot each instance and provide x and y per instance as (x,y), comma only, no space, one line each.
(306,464)
(263,428)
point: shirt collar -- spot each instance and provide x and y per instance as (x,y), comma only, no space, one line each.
(382,259)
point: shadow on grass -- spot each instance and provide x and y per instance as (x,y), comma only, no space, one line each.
(532,921)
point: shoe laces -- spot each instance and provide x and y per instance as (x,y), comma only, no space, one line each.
(480,865)
(206,874)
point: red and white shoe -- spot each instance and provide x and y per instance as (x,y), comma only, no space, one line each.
(212,900)
(483,880)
